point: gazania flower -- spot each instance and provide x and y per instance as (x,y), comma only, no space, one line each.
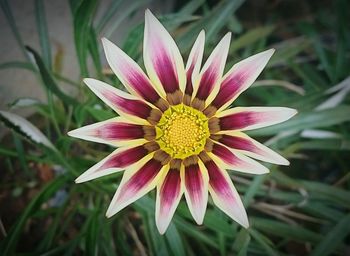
(174,131)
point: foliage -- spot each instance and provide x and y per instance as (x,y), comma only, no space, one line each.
(302,209)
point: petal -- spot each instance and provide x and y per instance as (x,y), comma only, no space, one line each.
(208,84)
(249,118)
(121,158)
(129,73)
(250,147)
(116,132)
(169,192)
(162,57)
(195,180)
(123,103)
(224,194)
(236,161)
(193,65)
(240,77)
(136,182)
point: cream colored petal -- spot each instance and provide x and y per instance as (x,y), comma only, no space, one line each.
(249,118)
(136,182)
(208,83)
(224,194)
(115,132)
(162,58)
(169,192)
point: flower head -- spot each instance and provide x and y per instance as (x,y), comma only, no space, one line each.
(174,131)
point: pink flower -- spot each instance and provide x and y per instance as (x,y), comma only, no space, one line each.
(175,132)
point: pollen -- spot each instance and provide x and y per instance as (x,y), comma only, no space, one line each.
(182,131)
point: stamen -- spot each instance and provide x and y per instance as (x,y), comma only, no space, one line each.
(182,131)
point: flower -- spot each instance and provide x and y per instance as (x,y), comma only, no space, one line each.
(174,131)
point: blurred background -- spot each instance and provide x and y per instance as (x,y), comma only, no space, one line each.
(47,47)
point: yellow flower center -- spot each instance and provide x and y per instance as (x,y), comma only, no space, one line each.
(182,131)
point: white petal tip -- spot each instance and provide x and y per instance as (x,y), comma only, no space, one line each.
(198,219)
(110,213)
(72,133)
(82,178)
(161,228)
(284,162)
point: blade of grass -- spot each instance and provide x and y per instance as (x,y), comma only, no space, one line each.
(43,32)
(333,239)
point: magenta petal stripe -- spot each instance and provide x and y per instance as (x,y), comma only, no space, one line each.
(194,62)
(251,147)
(121,158)
(224,194)
(211,74)
(135,184)
(129,73)
(240,77)
(114,132)
(168,196)
(237,161)
(120,101)
(196,191)
(162,57)
(249,118)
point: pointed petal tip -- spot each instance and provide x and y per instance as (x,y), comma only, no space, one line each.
(72,133)
(162,227)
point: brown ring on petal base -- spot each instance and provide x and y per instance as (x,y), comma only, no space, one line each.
(151,146)
(198,104)
(216,137)
(175,97)
(209,145)
(210,111)
(191,160)
(162,157)
(175,164)
(204,157)
(154,116)
(149,132)
(214,125)
(162,104)
(187,99)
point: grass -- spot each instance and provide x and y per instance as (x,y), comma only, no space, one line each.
(302,209)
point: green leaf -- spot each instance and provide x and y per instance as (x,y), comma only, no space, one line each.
(18,64)
(8,245)
(250,37)
(6,8)
(174,240)
(264,242)
(333,239)
(277,228)
(48,80)
(23,127)
(43,32)
(82,20)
